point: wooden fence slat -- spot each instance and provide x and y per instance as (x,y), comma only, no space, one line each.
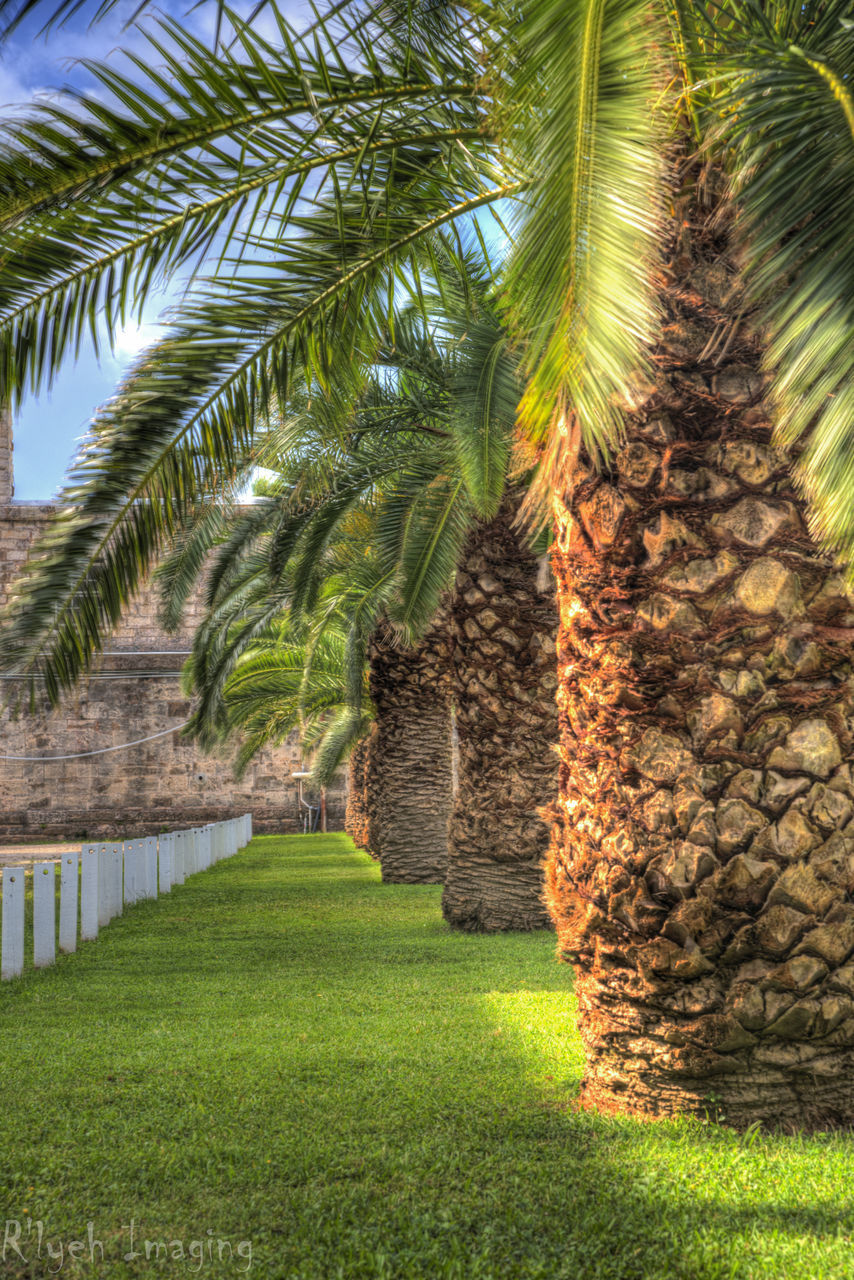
(12,947)
(89,890)
(68,903)
(44,915)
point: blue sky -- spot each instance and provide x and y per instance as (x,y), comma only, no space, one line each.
(47,429)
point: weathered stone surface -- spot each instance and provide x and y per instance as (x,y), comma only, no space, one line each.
(164,783)
(768,587)
(811,747)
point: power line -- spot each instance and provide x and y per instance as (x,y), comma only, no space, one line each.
(78,755)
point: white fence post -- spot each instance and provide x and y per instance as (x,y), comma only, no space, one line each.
(12,948)
(178,851)
(68,903)
(135,871)
(89,888)
(44,915)
(151,866)
(99,880)
(105,884)
(167,845)
(117,857)
(129,855)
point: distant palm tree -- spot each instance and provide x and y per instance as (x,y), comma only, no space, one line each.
(437,412)
(681,329)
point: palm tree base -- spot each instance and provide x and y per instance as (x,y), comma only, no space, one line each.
(485,896)
(505,627)
(411,782)
(640,1067)
(701,869)
(357,818)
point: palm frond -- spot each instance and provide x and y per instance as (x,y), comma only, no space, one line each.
(579,279)
(788,120)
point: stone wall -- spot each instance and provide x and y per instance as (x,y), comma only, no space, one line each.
(134,692)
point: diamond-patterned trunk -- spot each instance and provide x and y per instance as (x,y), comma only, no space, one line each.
(356,819)
(702,862)
(410,789)
(505,626)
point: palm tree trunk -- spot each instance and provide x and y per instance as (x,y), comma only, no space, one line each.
(702,862)
(356,821)
(411,786)
(504,627)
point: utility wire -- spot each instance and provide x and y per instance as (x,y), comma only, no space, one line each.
(78,755)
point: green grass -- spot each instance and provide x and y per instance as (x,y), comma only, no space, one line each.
(286,1052)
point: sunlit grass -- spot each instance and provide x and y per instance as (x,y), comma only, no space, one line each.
(287,1052)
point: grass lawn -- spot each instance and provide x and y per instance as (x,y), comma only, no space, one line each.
(286,1053)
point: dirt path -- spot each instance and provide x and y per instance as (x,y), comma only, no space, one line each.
(22,855)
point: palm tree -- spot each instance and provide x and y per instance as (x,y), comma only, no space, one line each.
(688,354)
(357,821)
(504,628)
(444,405)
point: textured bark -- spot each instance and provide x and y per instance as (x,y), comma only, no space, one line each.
(356,822)
(702,863)
(504,697)
(411,784)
